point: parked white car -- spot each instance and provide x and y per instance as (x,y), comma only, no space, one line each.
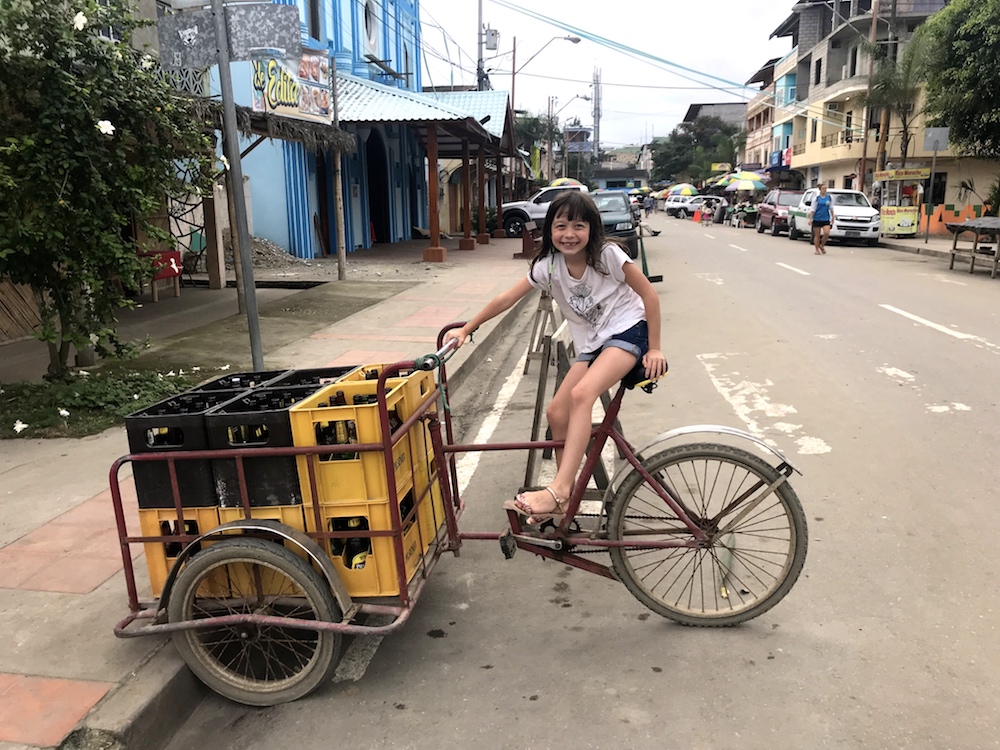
(854,217)
(673,203)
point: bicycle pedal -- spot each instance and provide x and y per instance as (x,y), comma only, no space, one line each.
(508,545)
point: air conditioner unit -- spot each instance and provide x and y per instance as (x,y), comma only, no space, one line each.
(833,106)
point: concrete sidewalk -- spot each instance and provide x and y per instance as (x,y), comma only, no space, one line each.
(65,681)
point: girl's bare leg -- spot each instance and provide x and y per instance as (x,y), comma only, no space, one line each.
(611,365)
(559,408)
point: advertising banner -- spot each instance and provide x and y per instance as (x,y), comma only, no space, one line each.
(919,173)
(299,87)
(899,220)
(722,166)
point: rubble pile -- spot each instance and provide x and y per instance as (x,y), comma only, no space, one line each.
(265,253)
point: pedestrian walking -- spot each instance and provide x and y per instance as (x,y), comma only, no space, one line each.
(822,219)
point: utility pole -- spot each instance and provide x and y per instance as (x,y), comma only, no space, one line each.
(548,170)
(231,146)
(872,38)
(884,125)
(480,72)
(597,114)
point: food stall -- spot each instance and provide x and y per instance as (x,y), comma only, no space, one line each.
(901,197)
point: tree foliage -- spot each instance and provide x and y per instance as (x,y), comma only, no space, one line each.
(688,152)
(897,80)
(963,74)
(94,142)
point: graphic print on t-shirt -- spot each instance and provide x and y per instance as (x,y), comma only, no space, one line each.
(583,304)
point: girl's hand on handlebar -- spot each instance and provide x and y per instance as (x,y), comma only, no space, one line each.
(458,334)
(655,363)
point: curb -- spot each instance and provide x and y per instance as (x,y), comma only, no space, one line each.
(141,711)
(915,250)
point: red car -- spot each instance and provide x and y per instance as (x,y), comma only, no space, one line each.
(773,210)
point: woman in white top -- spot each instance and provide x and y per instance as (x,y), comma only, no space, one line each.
(614,317)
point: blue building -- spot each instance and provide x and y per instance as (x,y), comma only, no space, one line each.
(374,50)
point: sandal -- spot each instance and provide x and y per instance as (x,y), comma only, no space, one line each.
(520,506)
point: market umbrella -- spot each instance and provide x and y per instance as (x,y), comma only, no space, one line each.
(684,188)
(736,185)
(559,181)
(748,176)
(635,191)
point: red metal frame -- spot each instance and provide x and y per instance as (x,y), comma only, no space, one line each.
(446,449)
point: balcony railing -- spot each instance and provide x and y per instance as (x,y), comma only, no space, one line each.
(837,139)
(798,149)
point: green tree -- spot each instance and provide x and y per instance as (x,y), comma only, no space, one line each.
(688,152)
(962,74)
(94,142)
(897,80)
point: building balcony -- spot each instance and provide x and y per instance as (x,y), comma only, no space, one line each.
(798,149)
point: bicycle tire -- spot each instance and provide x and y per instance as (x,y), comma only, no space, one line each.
(249,664)
(745,585)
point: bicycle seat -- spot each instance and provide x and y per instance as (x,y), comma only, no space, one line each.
(637,377)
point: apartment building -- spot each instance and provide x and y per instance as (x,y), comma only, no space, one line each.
(819,89)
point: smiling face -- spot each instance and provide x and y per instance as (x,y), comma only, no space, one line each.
(570,236)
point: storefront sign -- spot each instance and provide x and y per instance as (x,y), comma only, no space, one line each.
(899,220)
(920,173)
(297,87)
(722,166)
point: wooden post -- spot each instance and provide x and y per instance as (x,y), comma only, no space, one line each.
(466,243)
(499,232)
(483,238)
(338,200)
(433,253)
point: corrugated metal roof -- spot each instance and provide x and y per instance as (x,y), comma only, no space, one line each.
(479,104)
(361,100)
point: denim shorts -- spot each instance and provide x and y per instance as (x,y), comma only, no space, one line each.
(635,341)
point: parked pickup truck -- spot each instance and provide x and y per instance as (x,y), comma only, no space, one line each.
(519,213)
(854,218)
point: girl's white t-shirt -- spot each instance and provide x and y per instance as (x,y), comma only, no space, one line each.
(596,306)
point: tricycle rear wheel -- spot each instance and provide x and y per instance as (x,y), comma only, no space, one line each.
(741,573)
(258,665)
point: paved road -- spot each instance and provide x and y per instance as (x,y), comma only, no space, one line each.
(873,370)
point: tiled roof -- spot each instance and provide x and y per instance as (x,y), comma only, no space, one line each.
(479,104)
(361,100)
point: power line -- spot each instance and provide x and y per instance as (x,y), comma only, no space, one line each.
(623,85)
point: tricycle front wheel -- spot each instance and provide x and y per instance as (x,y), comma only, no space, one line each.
(255,664)
(755,554)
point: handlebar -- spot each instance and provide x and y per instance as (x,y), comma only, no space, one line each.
(432,361)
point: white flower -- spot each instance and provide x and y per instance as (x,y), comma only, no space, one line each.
(2,391)
(225,162)
(225,367)
(84,373)
(118,54)
(147,62)
(20,427)
(63,413)
(193,369)
(135,396)
(79,21)
(94,338)
(106,127)
(180,372)
(171,374)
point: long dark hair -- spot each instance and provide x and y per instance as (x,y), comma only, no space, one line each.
(576,205)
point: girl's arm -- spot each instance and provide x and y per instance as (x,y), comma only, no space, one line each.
(655,362)
(494,307)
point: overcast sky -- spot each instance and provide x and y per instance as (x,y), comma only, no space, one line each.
(723,38)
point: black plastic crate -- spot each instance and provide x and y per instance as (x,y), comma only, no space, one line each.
(173,425)
(239,381)
(257,419)
(317,377)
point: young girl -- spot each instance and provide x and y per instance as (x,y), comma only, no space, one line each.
(614,317)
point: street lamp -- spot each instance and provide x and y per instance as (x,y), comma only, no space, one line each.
(515,70)
(553,116)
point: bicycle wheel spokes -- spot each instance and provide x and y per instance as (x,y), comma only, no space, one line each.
(737,574)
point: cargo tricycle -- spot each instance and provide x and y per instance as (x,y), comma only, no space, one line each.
(323,518)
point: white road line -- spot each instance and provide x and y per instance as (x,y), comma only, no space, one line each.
(711,237)
(793,268)
(929,324)
(738,247)
(362,650)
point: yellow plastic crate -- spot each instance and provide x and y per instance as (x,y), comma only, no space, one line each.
(431,510)
(361,478)
(290,515)
(160,557)
(378,576)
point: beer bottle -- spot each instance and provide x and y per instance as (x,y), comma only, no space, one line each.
(339,399)
(356,549)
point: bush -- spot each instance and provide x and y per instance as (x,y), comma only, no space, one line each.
(491,219)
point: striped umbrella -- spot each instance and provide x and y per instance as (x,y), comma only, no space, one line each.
(683,188)
(743,175)
(737,185)
(559,181)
